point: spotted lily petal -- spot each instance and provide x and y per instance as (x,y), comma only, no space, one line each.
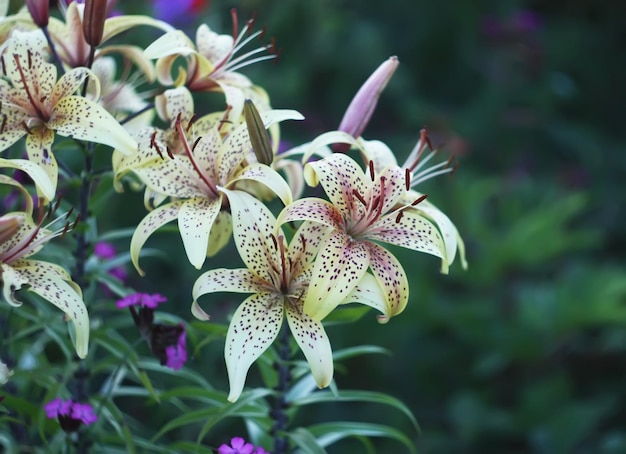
(59,293)
(81,118)
(269,178)
(224,280)
(12,280)
(313,341)
(195,220)
(39,150)
(252,227)
(148,225)
(252,330)
(411,231)
(391,277)
(311,209)
(220,233)
(339,266)
(369,292)
(35,172)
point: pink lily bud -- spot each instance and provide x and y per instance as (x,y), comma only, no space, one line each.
(93,21)
(39,11)
(362,107)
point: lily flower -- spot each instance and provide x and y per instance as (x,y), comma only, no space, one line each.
(196,183)
(21,237)
(278,275)
(362,211)
(34,104)
(73,49)
(212,63)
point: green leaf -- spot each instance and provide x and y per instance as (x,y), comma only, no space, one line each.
(305,441)
(357,396)
(351,352)
(330,433)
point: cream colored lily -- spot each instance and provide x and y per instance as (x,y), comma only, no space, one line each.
(362,211)
(196,181)
(212,64)
(20,238)
(34,104)
(279,277)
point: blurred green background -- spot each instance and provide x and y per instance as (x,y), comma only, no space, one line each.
(526,351)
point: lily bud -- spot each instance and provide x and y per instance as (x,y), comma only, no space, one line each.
(39,11)
(93,21)
(362,107)
(259,138)
(9,225)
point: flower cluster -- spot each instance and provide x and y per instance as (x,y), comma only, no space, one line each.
(212,174)
(71,415)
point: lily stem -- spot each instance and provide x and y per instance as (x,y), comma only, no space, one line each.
(278,413)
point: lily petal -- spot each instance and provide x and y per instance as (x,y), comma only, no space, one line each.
(61,294)
(240,280)
(252,330)
(312,209)
(220,234)
(313,341)
(39,150)
(12,281)
(339,266)
(391,277)
(369,292)
(411,231)
(44,185)
(148,225)
(81,118)
(253,228)
(195,220)
(340,176)
(269,178)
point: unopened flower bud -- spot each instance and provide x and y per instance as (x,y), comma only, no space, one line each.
(39,11)
(93,21)
(362,107)
(259,138)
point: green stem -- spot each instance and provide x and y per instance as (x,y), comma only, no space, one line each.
(278,413)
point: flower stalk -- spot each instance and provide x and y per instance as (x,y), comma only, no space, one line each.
(278,413)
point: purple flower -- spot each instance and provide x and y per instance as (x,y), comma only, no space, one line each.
(141,299)
(70,414)
(237,446)
(84,412)
(104,250)
(57,407)
(181,11)
(177,354)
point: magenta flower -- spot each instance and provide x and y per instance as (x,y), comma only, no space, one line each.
(57,407)
(84,412)
(176,355)
(237,446)
(141,299)
(70,414)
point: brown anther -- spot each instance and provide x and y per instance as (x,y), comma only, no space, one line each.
(158,150)
(66,227)
(250,22)
(169,152)
(419,200)
(371,167)
(359,197)
(274,241)
(30,59)
(225,117)
(153,139)
(4,124)
(75,223)
(456,166)
(4,68)
(303,241)
(278,53)
(262,34)
(25,126)
(69,213)
(448,162)
(57,203)
(399,216)
(407,179)
(195,144)
(192,120)
(424,137)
